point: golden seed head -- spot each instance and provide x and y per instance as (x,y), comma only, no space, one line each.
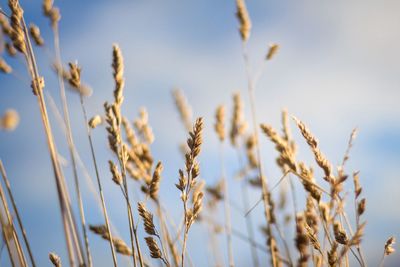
(53,13)
(272,51)
(17,33)
(55,259)
(47,6)
(183,107)
(4,24)
(116,176)
(10,49)
(220,122)
(37,85)
(118,73)
(389,249)
(155,251)
(147,217)
(10,120)
(155,181)
(4,67)
(238,124)
(74,75)
(95,121)
(35,34)
(340,234)
(244,19)
(361,207)
(143,127)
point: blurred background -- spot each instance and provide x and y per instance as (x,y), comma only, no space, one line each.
(337,68)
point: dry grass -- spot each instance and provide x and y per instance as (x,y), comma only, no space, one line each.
(324,233)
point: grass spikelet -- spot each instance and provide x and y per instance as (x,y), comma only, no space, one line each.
(251,143)
(340,234)
(302,241)
(5,26)
(220,123)
(10,120)
(238,124)
(321,160)
(187,182)
(244,20)
(389,246)
(118,68)
(4,67)
(361,207)
(35,34)
(74,79)
(357,186)
(55,259)
(147,219)
(10,49)
(272,51)
(282,146)
(332,255)
(155,251)
(143,127)
(120,246)
(17,33)
(183,107)
(95,121)
(53,13)
(116,175)
(154,186)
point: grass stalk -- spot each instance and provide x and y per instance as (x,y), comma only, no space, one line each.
(17,214)
(10,233)
(228,223)
(70,141)
(100,187)
(248,218)
(275,261)
(69,227)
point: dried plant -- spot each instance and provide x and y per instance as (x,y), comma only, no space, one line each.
(185,111)
(4,67)
(187,182)
(324,234)
(55,259)
(244,20)
(35,34)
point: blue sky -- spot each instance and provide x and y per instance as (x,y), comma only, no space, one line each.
(338,68)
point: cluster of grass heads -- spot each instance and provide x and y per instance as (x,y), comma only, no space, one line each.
(324,233)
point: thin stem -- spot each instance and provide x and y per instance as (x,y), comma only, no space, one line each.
(103,203)
(132,228)
(185,234)
(382,260)
(228,224)
(263,179)
(10,232)
(248,218)
(71,145)
(6,241)
(69,228)
(22,228)
(164,252)
(167,236)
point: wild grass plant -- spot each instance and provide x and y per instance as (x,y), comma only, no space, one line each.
(325,235)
